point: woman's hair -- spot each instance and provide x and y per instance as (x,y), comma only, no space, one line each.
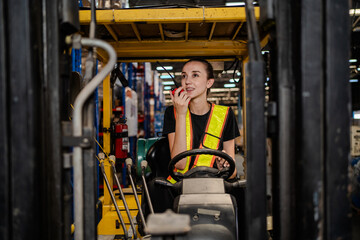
(208,67)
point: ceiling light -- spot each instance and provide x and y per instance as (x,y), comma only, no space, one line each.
(353,80)
(231,4)
(352,66)
(231,80)
(353,60)
(215,90)
(167,88)
(356,115)
(168,83)
(355,12)
(229,85)
(165,76)
(166,67)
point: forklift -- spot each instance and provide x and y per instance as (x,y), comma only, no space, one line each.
(49,168)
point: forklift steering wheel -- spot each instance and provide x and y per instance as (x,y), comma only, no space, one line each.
(225,172)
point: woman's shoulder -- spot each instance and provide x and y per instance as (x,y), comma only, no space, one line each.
(169,110)
(222,106)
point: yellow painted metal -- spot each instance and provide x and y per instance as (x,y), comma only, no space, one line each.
(237,30)
(160,47)
(107,111)
(136,31)
(172,15)
(212,30)
(109,223)
(111,31)
(129,49)
(161,32)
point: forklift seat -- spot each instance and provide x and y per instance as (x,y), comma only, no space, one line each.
(158,158)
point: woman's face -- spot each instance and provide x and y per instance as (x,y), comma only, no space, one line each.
(194,79)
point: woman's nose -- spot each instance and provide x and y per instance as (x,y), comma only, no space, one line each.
(187,80)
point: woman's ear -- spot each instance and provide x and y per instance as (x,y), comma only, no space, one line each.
(210,82)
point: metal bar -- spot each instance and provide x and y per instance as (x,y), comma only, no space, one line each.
(144,165)
(186,31)
(212,30)
(90,186)
(169,49)
(161,32)
(337,120)
(310,125)
(136,31)
(237,30)
(255,197)
(112,32)
(114,200)
(89,170)
(77,131)
(178,15)
(284,142)
(106,123)
(25,140)
(55,201)
(128,163)
(123,197)
(255,152)
(253,35)
(5,231)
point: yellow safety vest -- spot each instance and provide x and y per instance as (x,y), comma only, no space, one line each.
(212,137)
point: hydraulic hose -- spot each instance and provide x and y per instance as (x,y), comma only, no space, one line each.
(77,128)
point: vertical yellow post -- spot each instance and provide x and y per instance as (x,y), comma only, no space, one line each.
(107,111)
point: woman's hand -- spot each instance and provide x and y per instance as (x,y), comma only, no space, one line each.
(180,100)
(221,163)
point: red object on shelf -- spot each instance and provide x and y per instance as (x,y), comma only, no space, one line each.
(121,139)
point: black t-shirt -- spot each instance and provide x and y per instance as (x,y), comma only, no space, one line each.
(231,130)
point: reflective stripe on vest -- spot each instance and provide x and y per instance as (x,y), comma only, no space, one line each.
(212,137)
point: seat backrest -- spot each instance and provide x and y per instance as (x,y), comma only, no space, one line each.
(158,157)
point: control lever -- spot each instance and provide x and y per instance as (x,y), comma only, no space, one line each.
(129,163)
(102,157)
(144,165)
(113,158)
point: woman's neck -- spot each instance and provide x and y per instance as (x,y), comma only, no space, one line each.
(199,107)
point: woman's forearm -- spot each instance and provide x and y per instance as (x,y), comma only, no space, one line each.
(177,140)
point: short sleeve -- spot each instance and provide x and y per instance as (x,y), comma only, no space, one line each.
(231,130)
(169,121)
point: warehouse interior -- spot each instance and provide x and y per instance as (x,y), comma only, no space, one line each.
(84,86)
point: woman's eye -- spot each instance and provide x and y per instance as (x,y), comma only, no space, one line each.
(195,75)
(183,76)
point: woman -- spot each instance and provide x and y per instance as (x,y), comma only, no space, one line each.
(193,122)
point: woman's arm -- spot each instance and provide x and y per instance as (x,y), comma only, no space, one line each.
(177,140)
